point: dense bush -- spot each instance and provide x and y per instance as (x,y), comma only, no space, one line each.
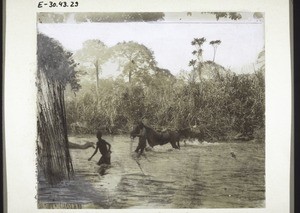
(216,102)
(219,106)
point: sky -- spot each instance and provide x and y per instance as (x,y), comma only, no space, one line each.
(171,40)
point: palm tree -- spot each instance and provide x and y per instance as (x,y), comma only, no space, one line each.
(215,45)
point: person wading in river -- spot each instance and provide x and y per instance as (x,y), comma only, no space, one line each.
(104,148)
(142,140)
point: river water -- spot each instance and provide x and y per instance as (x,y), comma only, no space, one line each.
(199,175)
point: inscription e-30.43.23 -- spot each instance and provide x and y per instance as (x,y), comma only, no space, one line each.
(51,4)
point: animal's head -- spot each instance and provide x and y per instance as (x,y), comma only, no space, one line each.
(185,133)
(140,125)
(136,129)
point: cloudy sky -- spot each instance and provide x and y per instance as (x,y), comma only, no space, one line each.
(171,40)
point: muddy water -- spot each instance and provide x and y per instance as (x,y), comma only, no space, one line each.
(200,175)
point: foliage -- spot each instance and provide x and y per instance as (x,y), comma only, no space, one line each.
(57,63)
(216,42)
(219,105)
(196,64)
(135,60)
(215,45)
(91,57)
(197,43)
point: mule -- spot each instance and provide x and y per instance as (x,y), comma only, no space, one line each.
(155,138)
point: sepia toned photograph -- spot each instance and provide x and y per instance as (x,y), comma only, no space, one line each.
(150,110)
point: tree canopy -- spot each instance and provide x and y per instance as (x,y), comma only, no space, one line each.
(91,57)
(57,63)
(136,60)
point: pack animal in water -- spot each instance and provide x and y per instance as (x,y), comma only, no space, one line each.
(155,138)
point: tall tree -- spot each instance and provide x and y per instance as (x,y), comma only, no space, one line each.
(215,45)
(197,43)
(198,52)
(193,75)
(56,68)
(135,59)
(91,57)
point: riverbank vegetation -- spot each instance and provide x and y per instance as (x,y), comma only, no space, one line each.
(216,102)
